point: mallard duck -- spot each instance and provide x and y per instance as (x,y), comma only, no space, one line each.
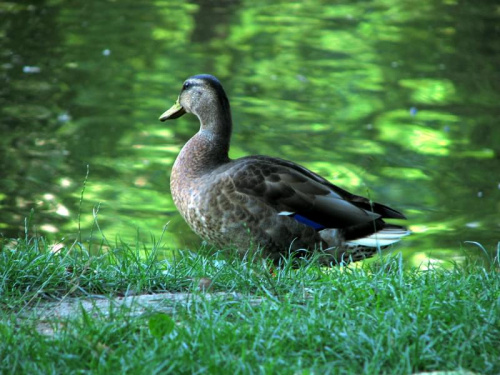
(265,202)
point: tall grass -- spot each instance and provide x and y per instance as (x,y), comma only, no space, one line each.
(377,318)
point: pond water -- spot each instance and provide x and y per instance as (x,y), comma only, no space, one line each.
(396,100)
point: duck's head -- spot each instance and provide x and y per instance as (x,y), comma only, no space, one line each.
(201,95)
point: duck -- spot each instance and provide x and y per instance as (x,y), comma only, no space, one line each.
(264,203)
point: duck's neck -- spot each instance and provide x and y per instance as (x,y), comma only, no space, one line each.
(209,148)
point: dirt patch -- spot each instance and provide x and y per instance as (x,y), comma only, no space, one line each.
(51,315)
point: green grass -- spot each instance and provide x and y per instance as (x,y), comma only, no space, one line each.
(377,318)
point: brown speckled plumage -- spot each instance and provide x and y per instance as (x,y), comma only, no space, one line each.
(260,201)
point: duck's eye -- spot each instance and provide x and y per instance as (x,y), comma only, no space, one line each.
(185,86)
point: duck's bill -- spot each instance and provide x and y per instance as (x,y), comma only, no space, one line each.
(174,112)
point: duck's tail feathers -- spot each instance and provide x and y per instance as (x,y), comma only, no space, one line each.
(383,238)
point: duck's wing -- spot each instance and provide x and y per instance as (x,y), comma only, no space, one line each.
(296,191)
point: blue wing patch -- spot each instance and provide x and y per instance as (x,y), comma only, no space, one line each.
(306,221)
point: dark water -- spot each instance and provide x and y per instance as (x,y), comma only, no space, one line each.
(398,100)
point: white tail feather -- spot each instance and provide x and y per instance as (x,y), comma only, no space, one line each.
(383,238)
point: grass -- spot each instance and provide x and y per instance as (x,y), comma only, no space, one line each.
(377,318)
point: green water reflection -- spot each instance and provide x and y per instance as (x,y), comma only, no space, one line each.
(397,100)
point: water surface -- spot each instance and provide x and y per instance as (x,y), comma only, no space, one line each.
(396,100)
